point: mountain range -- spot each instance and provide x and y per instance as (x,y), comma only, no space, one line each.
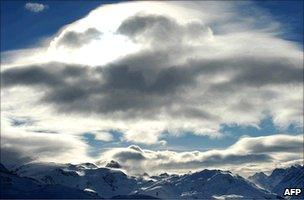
(87,181)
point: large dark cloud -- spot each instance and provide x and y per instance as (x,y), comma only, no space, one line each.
(110,88)
(31,75)
(126,86)
(268,71)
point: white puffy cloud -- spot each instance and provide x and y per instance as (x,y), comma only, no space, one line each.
(35,7)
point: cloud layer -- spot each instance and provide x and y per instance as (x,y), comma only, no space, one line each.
(266,152)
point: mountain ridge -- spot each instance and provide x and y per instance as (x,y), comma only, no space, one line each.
(108,182)
(280,179)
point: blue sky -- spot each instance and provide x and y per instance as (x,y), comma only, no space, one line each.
(267,81)
(290,13)
(32,26)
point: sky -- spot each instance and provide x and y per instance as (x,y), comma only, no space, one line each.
(156,86)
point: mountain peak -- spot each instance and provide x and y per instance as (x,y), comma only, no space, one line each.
(259,175)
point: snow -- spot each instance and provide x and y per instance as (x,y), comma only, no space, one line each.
(106,182)
(14,186)
(227,197)
(204,184)
(88,180)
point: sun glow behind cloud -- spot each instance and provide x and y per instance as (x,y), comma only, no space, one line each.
(109,47)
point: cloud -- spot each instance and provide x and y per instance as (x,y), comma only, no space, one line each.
(162,30)
(22,121)
(20,145)
(35,7)
(271,144)
(73,39)
(197,90)
(264,151)
(123,86)
(12,157)
(158,67)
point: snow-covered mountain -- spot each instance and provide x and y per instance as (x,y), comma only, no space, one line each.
(107,182)
(279,179)
(110,182)
(16,187)
(206,184)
